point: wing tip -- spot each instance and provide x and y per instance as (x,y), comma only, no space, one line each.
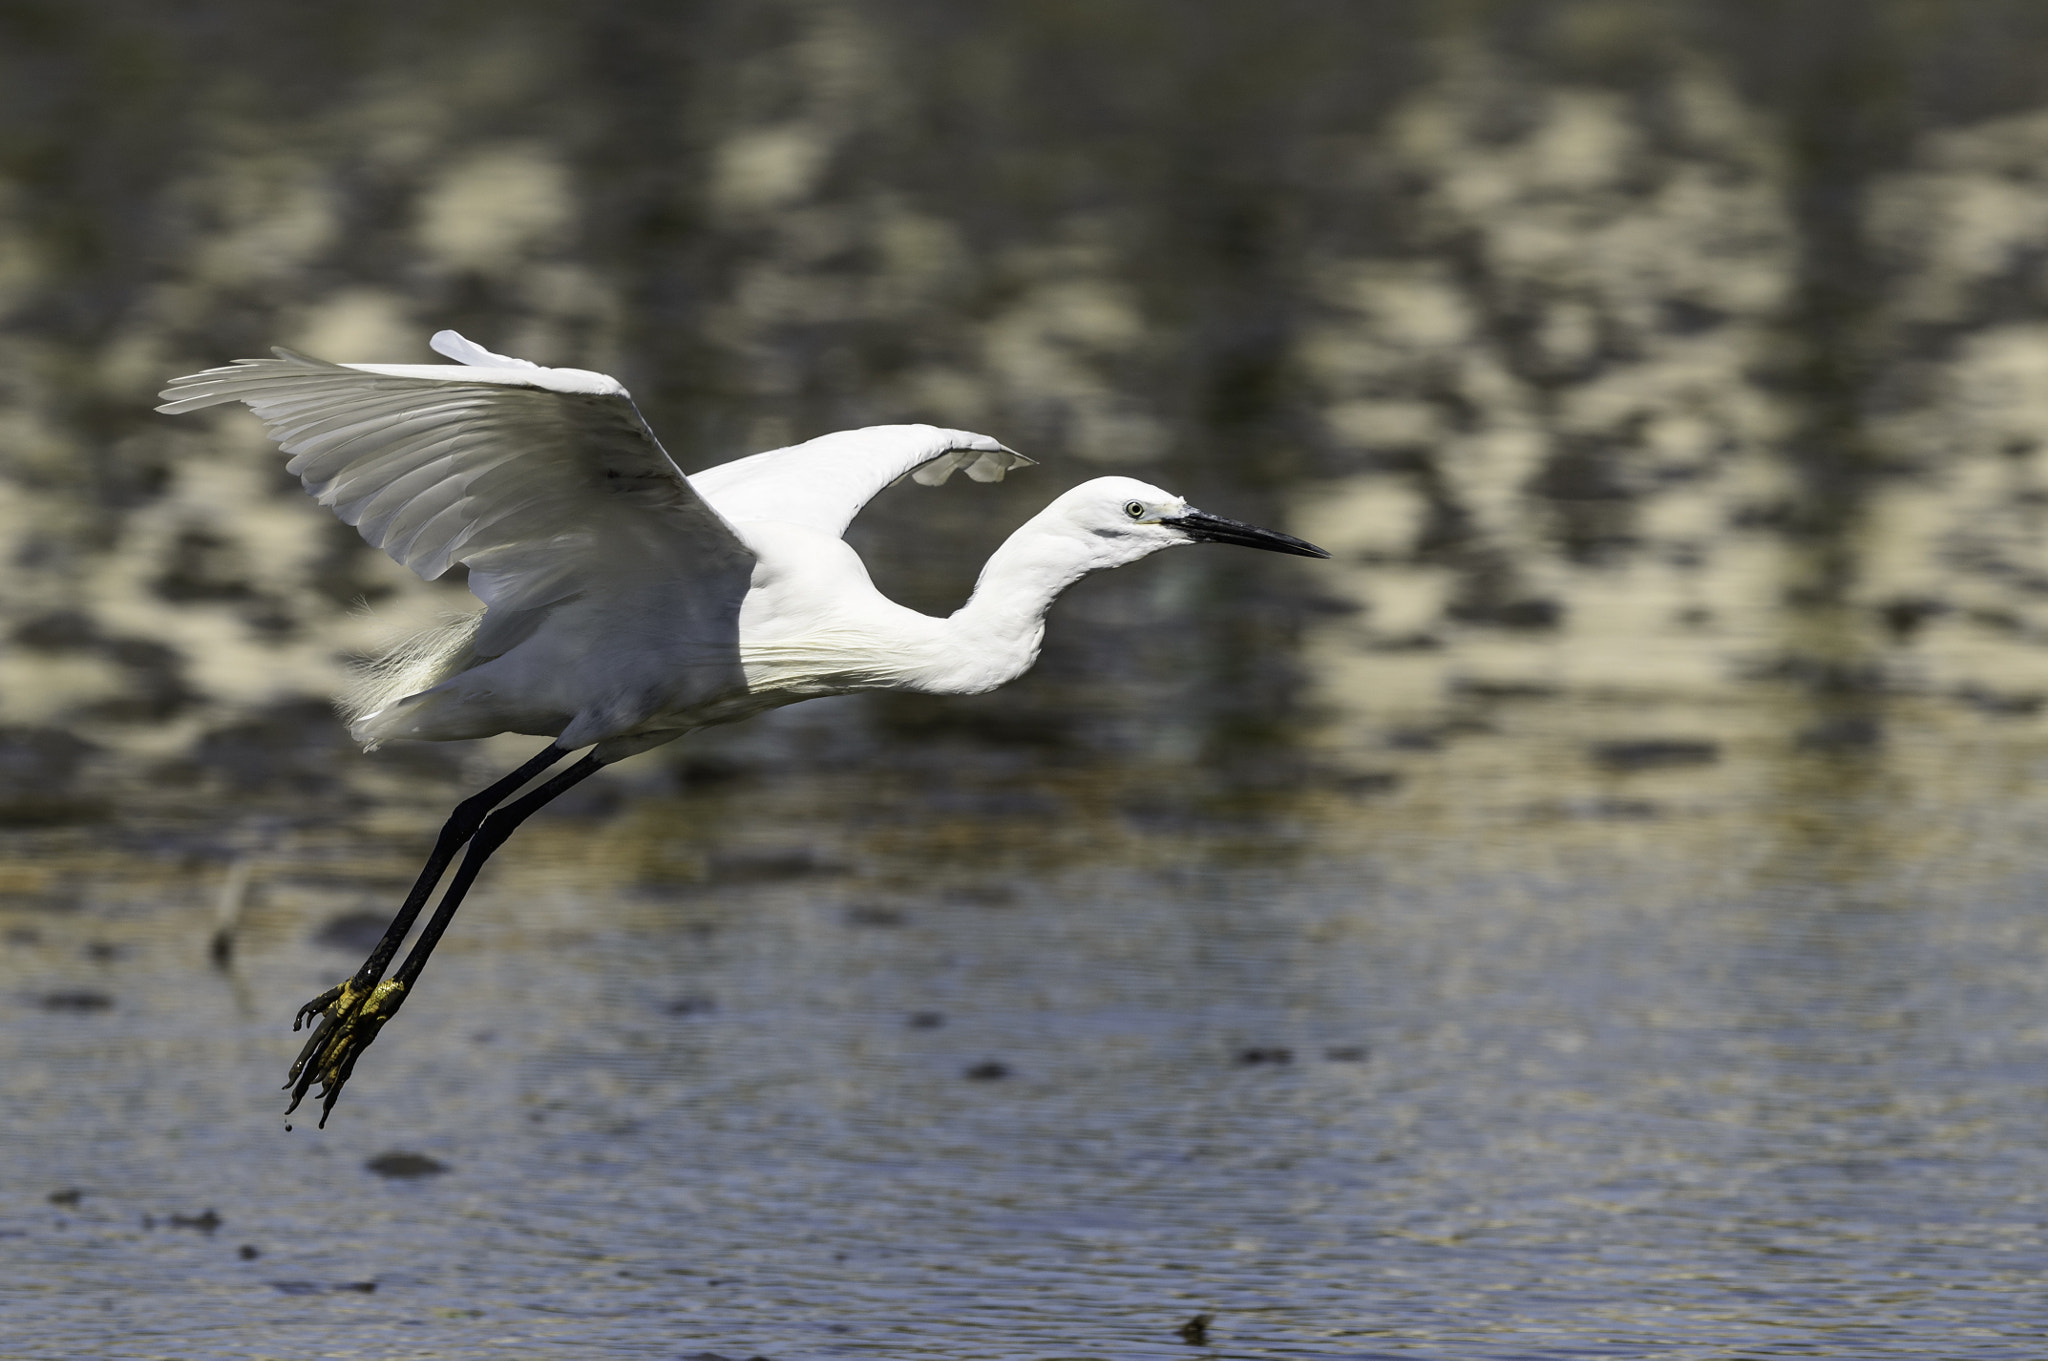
(995,464)
(225,383)
(983,460)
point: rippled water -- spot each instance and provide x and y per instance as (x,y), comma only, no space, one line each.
(1742,1058)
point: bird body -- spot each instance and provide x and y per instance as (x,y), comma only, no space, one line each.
(633,668)
(626,604)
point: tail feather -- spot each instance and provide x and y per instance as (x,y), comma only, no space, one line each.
(415,663)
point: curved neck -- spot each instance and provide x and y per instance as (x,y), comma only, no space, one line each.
(995,636)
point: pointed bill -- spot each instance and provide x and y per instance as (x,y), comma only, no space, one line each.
(1206,528)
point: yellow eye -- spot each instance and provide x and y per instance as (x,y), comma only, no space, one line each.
(1135,509)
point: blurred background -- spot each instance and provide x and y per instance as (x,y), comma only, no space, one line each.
(771,222)
(1649,782)
(1624,347)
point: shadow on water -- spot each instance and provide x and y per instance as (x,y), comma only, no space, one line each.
(1596,913)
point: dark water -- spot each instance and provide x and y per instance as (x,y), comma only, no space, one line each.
(1596,914)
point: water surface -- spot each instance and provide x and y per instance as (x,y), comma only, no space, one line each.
(1734,1059)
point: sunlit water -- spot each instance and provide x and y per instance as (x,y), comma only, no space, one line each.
(1744,1058)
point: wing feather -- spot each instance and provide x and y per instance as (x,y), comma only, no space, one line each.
(535,478)
(824,482)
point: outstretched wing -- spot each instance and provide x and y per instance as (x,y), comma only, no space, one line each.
(824,482)
(543,481)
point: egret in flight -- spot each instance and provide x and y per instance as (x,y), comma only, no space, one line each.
(626,604)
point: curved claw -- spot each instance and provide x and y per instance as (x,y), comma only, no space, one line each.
(330,1007)
(316,1007)
(349,1021)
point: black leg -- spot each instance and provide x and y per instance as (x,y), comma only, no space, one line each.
(496,830)
(330,1054)
(455,833)
(339,1005)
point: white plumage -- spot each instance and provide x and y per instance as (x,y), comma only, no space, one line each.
(626,604)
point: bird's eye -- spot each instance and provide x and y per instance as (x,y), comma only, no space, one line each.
(1135,509)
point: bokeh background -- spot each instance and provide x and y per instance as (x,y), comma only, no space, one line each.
(1612,345)
(1669,379)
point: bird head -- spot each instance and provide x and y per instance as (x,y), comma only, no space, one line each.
(1133,519)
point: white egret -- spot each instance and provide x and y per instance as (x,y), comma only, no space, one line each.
(624,603)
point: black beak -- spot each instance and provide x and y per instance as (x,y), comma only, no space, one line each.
(1206,528)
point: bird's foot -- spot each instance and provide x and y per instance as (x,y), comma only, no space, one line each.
(349,1016)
